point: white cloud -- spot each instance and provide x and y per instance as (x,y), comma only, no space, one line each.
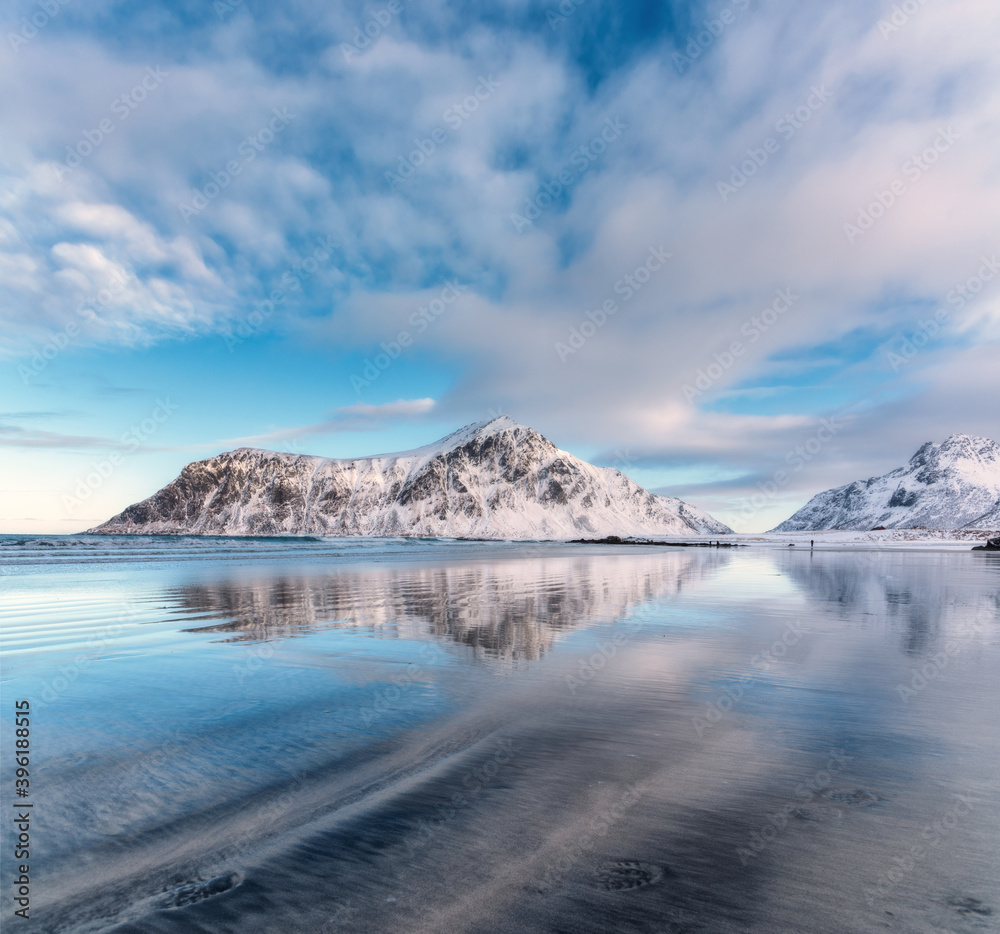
(116,217)
(401,407)
(361,417)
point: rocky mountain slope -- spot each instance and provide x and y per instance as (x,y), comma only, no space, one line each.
(495,479)
(952,485)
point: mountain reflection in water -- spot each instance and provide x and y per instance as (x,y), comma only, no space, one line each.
(477,738)
(510,610)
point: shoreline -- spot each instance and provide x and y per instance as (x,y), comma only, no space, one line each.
(882,539)
(839,539)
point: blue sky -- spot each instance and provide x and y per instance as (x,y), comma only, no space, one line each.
(249,223)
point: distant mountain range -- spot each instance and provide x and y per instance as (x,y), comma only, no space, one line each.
(495,479)
(952,485)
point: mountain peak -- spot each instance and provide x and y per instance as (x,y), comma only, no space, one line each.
(953,484)
(491,479)
(490,426)
(483,431)
(461,436)
(970,446)
(499,423)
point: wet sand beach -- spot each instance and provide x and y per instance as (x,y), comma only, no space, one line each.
(325,736)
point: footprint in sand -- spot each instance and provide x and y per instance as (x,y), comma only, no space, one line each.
(195,891)
(966,905)
(852,797)
(628,874)
(817,815)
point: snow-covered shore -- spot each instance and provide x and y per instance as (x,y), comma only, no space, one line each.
(936,539)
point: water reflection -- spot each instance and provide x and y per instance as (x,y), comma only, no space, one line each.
(683,785)
(925,601)
(504,609)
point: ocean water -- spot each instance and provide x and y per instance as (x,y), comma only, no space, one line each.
(287,735)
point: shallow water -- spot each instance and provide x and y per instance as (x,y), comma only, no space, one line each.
(342,735)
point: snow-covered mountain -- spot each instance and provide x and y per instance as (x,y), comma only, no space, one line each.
(952,485)
(494,479)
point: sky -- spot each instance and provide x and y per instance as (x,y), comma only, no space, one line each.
(742,251)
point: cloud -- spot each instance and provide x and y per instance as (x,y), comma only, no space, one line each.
(17,437)
(62,413)
(397,409)
(361,417)
(818,121)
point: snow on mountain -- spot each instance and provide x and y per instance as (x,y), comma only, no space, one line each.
(494,479)
(952,485)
